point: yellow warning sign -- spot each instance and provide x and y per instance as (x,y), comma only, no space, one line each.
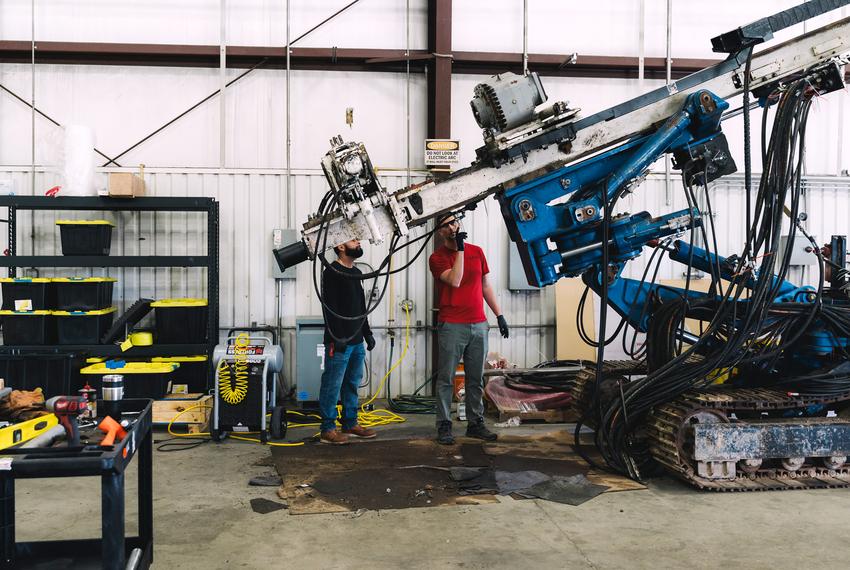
(441,151)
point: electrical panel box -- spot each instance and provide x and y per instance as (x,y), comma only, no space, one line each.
(281,238)
(516,274)
(800,251)
(309,358)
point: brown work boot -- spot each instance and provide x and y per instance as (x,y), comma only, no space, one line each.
(360,431)
(333,437)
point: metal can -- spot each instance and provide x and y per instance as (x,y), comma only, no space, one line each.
(112,387)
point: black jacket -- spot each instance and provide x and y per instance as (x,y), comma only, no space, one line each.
(344,296)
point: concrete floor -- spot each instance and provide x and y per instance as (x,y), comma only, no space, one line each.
(203,520)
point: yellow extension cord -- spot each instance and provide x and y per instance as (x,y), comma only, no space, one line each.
(383,417)
(366,418)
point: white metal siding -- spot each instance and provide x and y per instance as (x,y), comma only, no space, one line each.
(252,204)
(123,104)
(255,22)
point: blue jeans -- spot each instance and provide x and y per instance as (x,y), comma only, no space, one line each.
(340,381)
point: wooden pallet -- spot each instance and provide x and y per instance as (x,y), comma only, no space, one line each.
(195,420)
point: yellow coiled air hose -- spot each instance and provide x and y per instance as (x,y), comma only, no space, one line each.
(366,417)
(234,392)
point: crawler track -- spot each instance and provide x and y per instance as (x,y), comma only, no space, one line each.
(669,432)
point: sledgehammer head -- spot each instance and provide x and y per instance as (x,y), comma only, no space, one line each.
(112,429)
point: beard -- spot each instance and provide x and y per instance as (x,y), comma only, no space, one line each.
(354,252)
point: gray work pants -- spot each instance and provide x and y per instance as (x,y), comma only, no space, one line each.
(456,341)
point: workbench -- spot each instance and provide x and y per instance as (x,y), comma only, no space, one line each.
(110,464)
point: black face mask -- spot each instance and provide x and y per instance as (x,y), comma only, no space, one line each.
(354,252)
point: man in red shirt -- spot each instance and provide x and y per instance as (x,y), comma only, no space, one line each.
(460,272)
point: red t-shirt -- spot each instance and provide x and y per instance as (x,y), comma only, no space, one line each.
(464,304)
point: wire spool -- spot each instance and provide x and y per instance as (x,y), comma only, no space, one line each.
(142,338)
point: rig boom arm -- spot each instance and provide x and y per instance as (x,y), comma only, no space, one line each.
(542,145)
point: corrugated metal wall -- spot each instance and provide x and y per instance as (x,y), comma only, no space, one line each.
(141,99)
(253,203)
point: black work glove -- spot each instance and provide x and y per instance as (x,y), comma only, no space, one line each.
(459,237)
(338,347)
(503,326)
(370,341)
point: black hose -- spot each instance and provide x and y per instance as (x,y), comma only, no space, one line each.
(747,329)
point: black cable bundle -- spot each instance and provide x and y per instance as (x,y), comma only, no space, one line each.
(326,208)
(747,330)
(413,403)
(543,381)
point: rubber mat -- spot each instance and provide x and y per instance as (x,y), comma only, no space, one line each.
(409,473)
(573,490)
(265,506)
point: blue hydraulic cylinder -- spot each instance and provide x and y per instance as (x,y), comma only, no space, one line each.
(649,152)
(580,251)
(699,258)
(564,207)
(630,297)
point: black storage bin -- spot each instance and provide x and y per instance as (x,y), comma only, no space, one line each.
(27,327)
(180,321)
(82,327)
(141,379)
(192,372)
(83,293)
(85,237)
(37,290)
(53,373)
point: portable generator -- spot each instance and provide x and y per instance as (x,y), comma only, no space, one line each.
(245,387)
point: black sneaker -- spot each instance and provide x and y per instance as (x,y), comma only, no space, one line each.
(444,433)
(479,431)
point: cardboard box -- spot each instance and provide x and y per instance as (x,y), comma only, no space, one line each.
(125,185)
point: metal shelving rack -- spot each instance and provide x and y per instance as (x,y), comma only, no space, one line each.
(147,204)
(110,463)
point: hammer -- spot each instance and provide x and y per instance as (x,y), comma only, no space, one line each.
(67,408)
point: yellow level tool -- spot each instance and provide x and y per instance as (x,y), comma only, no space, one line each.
(19,433)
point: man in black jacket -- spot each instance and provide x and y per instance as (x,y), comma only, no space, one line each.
(342,293)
